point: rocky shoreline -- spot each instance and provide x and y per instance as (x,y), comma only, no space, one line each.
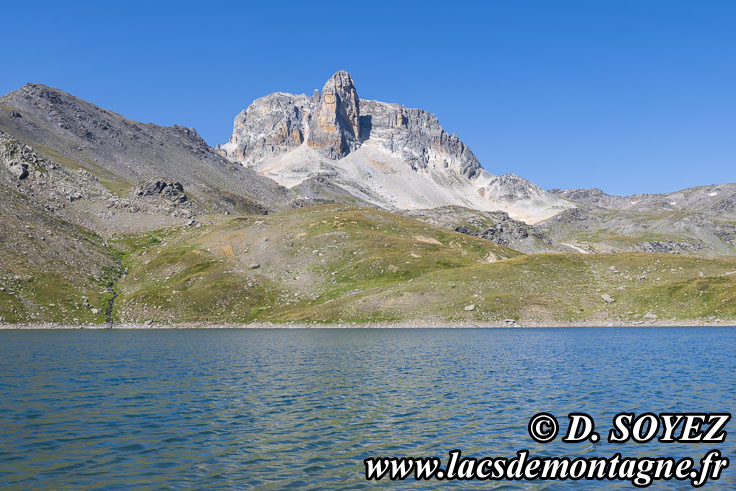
(380,325)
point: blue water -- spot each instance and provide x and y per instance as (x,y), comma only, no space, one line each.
(116,409)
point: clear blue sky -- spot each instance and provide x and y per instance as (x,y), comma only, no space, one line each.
(628,96)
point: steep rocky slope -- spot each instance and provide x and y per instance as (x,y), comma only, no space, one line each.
(121,153)
(79,197)
(380,153)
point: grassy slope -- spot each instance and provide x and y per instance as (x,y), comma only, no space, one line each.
(306,258)
(47,266)
(339,263)
(568,287)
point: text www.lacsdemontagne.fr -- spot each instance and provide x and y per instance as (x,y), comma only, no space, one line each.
(639,471)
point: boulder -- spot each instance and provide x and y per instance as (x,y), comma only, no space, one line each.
(170,190)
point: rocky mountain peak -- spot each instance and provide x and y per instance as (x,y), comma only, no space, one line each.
(41,91)
(335,127)
(335,122)
(380,153)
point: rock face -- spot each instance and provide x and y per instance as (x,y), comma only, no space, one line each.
(417,137)
(381,153)
(271,125)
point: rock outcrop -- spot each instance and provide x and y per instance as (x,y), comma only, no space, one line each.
(171,192)
(495,226)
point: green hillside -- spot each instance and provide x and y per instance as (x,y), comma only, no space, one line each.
(338,263)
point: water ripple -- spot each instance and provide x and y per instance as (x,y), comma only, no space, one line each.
(278,409)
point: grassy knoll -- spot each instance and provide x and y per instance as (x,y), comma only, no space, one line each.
(275,266)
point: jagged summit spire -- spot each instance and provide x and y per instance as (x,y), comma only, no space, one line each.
(335,130)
